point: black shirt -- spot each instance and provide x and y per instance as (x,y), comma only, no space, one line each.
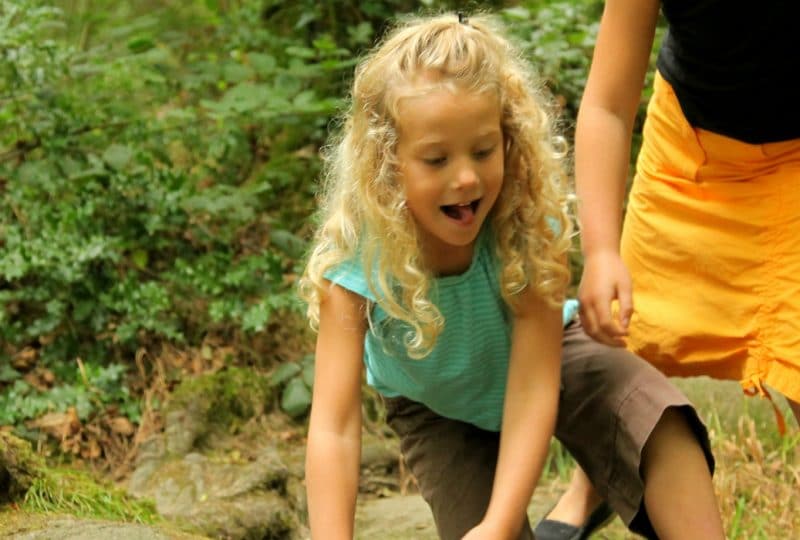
(733,65)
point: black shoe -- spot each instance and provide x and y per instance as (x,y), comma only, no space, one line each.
(550,529)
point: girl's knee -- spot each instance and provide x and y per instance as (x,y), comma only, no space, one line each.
(678,434)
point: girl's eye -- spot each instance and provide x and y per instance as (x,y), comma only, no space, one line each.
(435,162)
(483,154)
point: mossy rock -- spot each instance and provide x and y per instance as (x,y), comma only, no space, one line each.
(20,467)
(224,397)
(204,407)
(25,479)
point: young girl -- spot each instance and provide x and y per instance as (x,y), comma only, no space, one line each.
(710,251)
(439,265)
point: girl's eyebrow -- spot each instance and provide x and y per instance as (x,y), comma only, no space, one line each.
(423,144)
(427,142)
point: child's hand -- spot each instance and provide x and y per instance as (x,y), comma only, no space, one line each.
(605,279)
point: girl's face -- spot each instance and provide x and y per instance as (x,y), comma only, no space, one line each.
(450,154)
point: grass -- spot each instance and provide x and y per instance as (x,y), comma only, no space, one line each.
(65,491)
(758,470)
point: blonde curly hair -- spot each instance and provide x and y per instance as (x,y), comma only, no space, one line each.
(362,204)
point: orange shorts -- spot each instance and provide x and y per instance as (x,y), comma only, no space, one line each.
(712,240)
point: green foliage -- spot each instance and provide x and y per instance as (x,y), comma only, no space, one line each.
(87,388)
(148,192)
(559,36)
(114,230)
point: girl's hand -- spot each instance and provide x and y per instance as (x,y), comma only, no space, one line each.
(605,279)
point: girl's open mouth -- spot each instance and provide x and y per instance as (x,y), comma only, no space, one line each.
(463,213)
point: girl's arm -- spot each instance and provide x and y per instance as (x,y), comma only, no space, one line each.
(602,152)
(333,451)
(529,416)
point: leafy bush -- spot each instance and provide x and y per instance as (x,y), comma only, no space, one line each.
(559,37)
(150,190)
(147,192)
(86,389)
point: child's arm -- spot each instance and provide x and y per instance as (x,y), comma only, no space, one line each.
(529,416)
(602,151)
(333,451)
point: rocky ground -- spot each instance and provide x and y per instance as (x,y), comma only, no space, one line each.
(209,480)
(403,517)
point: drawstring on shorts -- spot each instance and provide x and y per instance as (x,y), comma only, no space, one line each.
(756,387)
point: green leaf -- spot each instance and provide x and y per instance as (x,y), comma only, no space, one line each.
(8,374)
(307,360)
(256,317)
(284,372)
(264,64)
(82,309)
(139,258)
(301,52)
(518,12)
(235,72)
(308,375)
(304,98)
(246,97)
(305,18)
(361,33)
(296,398)
(324,43)
(287,242)
(118,156)
(140,44)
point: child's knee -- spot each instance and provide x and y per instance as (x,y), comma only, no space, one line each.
(673,435)
(670,430)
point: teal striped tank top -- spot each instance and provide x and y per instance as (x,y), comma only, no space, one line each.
(464,376)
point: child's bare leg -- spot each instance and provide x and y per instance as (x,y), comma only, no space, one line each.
(678,494)
(577,502)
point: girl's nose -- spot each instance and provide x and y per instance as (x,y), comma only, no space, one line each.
(466,177)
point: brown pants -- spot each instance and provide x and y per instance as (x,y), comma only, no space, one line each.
(610,402)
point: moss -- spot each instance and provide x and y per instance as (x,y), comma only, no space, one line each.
(20,467)
(226,397)
(25,479)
